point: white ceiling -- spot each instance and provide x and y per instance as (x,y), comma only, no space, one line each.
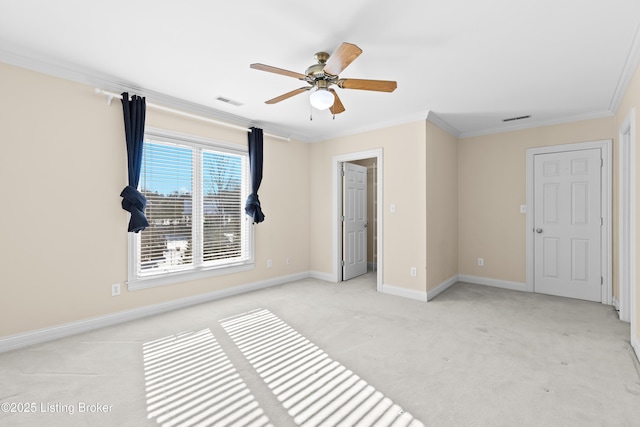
(472,63)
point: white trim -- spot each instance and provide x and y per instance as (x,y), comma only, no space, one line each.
(174,277)
(437,120)
(13,342)
(111,95)
(496,283)
(173,137)
(36,61)
(327,277)
(636,346)
(336,161)
(616,304)
(606,174)
(18,56)
(442,287)
(404,292)
(630,67)
(200,270)
(627,217)
(551,122)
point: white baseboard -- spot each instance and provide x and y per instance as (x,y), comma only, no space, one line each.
(442,287)
(327,277)
(16,341)
(636,346)
(404,292)
(616,305)
(504,284)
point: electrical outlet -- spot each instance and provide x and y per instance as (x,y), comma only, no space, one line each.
(392,208)
(523,209)
(115,289)
(414,272)
(289,260)
(269,263)
(481,262)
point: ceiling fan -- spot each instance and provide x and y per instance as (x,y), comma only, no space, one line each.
(323,76)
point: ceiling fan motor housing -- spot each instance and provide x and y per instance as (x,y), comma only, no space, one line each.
(316,71)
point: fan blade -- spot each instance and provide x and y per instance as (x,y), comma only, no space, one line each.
(377,85)
(287,95)
(276,70)
(341,59)
(337,106)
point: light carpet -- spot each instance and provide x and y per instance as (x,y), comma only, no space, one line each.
(317,353)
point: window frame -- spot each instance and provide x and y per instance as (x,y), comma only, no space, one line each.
(136,282)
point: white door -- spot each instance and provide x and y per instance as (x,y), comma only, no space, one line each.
(567,224)
(354,224)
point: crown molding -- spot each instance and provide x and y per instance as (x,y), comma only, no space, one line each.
(54,67)
(24,58)
(628,71)
(550,122)
(437,120)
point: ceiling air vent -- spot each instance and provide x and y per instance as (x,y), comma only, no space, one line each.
(229,101)
(516,118)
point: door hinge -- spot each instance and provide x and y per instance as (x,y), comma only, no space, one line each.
(601,162)
(601,221)
(342,263)
(601,280)
(342,218)
(342,172)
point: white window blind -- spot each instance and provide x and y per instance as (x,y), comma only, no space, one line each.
(195,207)
(223,207)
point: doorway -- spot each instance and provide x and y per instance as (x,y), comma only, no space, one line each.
(569,221)
(373,160)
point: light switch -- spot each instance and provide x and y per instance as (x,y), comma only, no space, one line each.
(523,208)
(393,208)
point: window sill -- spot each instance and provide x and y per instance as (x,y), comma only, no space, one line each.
(139,283)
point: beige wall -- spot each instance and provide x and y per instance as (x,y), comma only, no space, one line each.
(631,100)
(404,185)
(442,206)
(64,234)
(492,186)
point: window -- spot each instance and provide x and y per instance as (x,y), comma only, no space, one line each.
(195,192)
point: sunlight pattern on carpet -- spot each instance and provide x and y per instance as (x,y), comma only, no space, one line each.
(316,390)
(190,381)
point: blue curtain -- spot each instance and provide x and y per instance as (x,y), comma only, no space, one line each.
(133,201)
(252,207)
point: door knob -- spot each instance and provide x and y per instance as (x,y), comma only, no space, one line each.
(538,230)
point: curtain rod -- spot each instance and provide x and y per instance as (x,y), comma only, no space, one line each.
(111,95)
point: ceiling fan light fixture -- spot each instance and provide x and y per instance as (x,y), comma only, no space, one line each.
(321,99)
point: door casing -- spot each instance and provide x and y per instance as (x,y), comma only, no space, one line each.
(606,253)
(337,211)
(626,220)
